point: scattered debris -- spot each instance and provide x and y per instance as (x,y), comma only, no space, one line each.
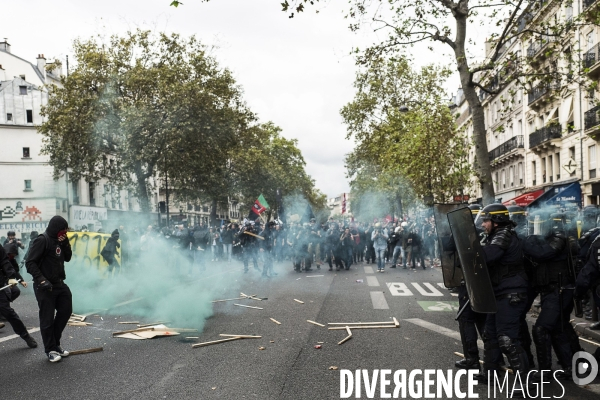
(77,317)
(237,298)
(241,305)
(347,337)
(298,301)
(77,323)
(313,276)
(97,338)
(274,320)
(85,351)
(215,342)
(129,322)
(333,368)
(148,332)
(589,341)
(192,337)
(359,281)
(262,348)
(318,346)
(314,323)
(272,341)
(242,336)
(394,321)
(510,371)
(213,388)
(320,342)
(152,324)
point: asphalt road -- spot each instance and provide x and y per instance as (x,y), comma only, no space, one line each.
(289,367)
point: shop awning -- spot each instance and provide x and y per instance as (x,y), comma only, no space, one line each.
(525,199)
(570,194)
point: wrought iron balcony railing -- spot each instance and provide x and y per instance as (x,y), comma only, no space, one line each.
(511,144)
(544,134)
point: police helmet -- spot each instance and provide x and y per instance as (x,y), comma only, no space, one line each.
(475,209)
(497,213)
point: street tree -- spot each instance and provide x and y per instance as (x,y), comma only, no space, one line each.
(132,106)
(403,126)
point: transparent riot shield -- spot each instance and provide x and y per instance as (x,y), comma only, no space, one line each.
(470,252)
(448,256)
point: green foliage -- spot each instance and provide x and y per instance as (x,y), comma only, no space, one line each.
(400,147)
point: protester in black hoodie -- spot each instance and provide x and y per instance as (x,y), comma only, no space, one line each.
(110,250)
(46,263)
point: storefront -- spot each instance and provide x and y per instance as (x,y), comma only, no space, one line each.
(560,196)
(525,199)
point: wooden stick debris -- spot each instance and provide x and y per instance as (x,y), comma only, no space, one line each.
(299,301)
(314,323)
(510,371)
(363,327)
(176,329)
(129,322)
(215,342)
(361,323)
(241,305)
(147,328)
(274,320)
(396,322)
(154,323)
(242,336)
(589,341)
(192,337)
(347,337)
(218,301)
(85,351)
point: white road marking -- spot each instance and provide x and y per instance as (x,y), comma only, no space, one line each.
(433,292)
(441,284)
(369,270)
(379,301)
(399,289)
(439,329)
(372,281)
(16,336)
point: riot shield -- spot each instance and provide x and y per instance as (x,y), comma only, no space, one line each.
(470,252)
(448,255)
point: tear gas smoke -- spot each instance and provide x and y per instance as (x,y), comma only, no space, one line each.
(158,281)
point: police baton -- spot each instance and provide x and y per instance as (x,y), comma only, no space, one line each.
(462,309)
(9,285)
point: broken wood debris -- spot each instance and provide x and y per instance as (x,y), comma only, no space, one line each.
(241,305)
(77,323)
(363,327)
(147,328)
(299,301)
(154,323)
(347,337)
(237,298)
(78,317)
(85,351)
(274,320)
(242,336)
(237,337)
(362,323)
(510,371)
(589,341)
(129,322)
(314,323)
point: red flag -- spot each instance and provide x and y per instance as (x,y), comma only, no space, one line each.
(344,204)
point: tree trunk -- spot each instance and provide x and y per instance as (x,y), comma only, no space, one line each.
(213,212)
(142,191)
(482,167)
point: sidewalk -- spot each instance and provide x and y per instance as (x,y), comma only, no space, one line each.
(581,326)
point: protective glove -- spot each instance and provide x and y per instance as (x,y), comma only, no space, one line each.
(45,285)
(13,282)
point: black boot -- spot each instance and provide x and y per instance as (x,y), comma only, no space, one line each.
(30,341)
(516,355)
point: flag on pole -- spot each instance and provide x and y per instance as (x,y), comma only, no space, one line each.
(344,204)
(259,207)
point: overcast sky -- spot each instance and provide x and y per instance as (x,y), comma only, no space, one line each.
(295,72)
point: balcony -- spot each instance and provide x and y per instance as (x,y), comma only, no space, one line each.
(516,142)
(536,48)
(591,61)
(588,3)
(540,91)
(543,135)
(591,120)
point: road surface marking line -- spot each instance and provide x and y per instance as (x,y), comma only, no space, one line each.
(440,329)
(16,336)
(369,270)
(372,281)
(433,292)
(379,302)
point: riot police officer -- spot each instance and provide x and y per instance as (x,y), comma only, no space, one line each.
(547,248)
(266,249)
(504,258)
(248,244)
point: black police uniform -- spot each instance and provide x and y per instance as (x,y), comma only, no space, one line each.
(7,296)
(46,263)
(248,244)
(550,277)
(266,246)
(504,258)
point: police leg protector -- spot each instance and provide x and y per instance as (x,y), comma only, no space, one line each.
(525,339)
(515,354)
(468,336)
(543,347)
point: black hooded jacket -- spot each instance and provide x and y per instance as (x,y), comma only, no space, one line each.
(6,269)
(47,256)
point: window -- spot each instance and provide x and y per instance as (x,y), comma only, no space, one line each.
(9,116)
(26,152)
(496,181)
(557,158)
(28,184)
(569,13)
(29,116)
(592,160)
(75,190)
(590,40)
(503,179)
(550,169)
(23,90)
(544,170)
(511,176)
(534,173)
(92,191)
(520,172)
